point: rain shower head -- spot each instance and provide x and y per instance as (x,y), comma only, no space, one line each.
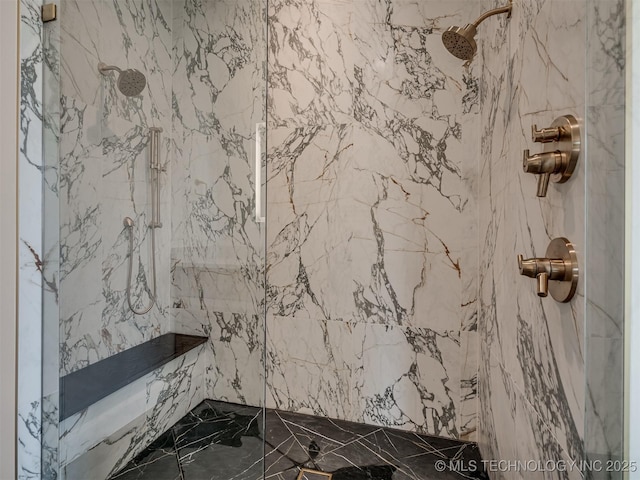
(461,42)
(130,82)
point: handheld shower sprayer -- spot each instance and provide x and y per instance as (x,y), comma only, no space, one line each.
(460,41)
(131,82)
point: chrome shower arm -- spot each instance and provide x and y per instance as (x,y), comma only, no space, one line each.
(496,11)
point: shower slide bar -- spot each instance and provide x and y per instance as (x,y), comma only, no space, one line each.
(154,174)
(155,169)
(260,132)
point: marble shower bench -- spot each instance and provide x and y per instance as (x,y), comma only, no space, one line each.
(86,386)
(113,409)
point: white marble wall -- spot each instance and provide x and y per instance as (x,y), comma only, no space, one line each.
(104,176)
(396,206)
(217,246)
(533,351)
(371,239)
(605,182)
(31,246)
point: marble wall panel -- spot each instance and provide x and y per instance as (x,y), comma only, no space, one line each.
(370,218)
(416,386)
(31,283)
(373,200)
(105,176)
(534,70)
(605,181)
(234,354)
(371,211)
(217,258)
(51,244)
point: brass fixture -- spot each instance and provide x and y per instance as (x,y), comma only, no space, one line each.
(309,474)
(561,152)
(49,12)
(460,40)
(557,273)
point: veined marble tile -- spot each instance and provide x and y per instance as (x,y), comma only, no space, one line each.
(51,110)
(215,211)
(604,353)
(605,225)
(80,235)
(215,288)
(537,343)
(312,374)
(220,56)
(326,371)
(497,416)
(137,35)
(433,13)
(50,466)
(538,449)
(175,389)
(604,422)
(468,411)
(81,25)
(606,23)
(548,41)
(128,193)
(30,243)
(389,230)
(546,359)
(369,178)
(417,382)
(348,52)
(233,356)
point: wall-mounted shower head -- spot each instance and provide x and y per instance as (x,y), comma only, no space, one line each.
(460,41)
(130,82)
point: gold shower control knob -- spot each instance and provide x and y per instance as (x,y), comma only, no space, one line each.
(545,135)
(560,156)
(557,273)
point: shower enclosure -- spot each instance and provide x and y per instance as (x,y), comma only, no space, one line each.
(150,317)
(342,208)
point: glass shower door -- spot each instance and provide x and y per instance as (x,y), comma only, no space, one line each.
(153,207)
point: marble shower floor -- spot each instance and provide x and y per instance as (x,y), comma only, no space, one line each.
(222,441)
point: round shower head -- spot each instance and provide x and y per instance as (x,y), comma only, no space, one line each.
(130,82)
(460,41)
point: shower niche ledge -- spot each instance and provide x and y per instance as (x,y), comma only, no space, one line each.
(84,387)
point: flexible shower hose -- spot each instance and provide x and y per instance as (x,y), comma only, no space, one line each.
(152,296)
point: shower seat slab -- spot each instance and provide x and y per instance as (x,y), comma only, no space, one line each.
(84,387)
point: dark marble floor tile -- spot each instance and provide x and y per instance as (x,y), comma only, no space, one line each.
(363,451)
(338,430)
(159,461)
(221,441)
(222,462)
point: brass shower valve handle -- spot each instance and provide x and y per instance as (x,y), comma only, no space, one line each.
(542,269)
(557,273)
(560,156)
(544,164)
(545,135)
